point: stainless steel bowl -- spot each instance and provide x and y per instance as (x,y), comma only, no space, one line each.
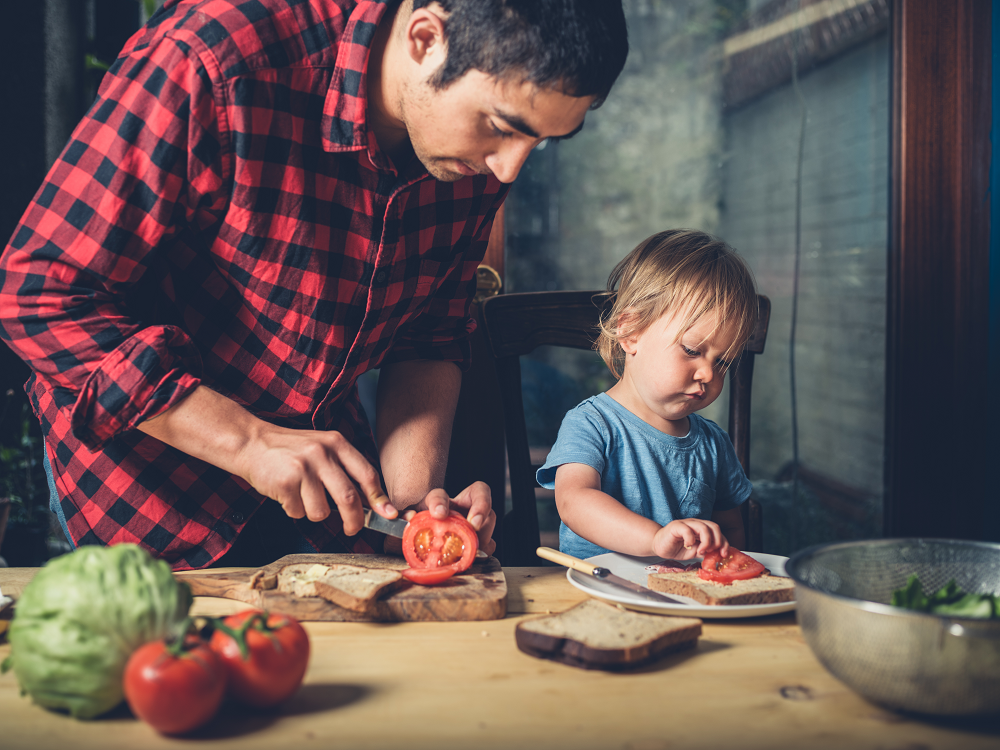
(903,660)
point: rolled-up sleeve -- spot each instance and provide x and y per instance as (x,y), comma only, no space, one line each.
(142,165)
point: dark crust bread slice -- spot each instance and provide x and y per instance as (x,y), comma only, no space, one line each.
(765,589)
(597,635)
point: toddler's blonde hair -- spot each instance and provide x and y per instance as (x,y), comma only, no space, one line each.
(684,270)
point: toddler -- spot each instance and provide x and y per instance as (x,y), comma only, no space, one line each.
(634,469)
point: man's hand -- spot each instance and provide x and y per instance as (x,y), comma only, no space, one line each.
(301,469)
(473,502)
(304,469)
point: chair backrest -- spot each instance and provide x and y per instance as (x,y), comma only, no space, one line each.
(517,324)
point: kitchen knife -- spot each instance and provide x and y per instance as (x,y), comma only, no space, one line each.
(392,526)
(603,574)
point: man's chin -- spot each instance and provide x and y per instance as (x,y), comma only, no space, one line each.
(436,168)
(441,174)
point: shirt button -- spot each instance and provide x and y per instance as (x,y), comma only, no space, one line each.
(236,517)
(380,277)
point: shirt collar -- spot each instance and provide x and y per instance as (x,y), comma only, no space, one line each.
(344,122)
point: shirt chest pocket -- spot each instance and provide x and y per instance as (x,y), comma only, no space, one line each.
(698,501)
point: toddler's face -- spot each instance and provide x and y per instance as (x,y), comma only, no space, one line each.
(670,373)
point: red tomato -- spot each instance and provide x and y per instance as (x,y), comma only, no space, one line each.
(429,576)
(735,566)
(175,688)
(443,545)
(265,656)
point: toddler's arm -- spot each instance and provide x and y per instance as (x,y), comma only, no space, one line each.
(599,518)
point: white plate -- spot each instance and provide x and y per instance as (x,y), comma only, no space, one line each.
(634,569)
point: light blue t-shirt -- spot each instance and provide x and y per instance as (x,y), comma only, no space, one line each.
(654,474)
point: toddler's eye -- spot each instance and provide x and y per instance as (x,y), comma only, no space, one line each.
(690,352)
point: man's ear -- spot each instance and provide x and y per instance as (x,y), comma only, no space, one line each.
(425,36)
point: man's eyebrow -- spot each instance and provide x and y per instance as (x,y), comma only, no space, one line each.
(517,123)
(570,134)
(522,127)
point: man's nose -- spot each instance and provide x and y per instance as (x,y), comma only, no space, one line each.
(507,160)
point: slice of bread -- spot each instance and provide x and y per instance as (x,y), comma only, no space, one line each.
(597,635)
(765,589)
(349,586)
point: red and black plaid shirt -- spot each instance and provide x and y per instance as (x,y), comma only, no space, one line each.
(223,216)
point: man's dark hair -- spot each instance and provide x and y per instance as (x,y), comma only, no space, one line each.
(576,46)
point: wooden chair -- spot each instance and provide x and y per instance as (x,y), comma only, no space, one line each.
(515,325)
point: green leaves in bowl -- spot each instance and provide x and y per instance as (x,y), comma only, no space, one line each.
(949,600)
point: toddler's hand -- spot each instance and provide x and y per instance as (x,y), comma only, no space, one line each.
(689,537)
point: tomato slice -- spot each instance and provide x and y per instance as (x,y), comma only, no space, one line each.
(429,576)
(439,546)
(736,566)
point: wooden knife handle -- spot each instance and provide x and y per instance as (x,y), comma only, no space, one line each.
(569,561)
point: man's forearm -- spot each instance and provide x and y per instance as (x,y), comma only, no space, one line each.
(207,426)
(416,409)
(300,469)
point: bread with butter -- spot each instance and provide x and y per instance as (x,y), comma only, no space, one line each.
(352,587)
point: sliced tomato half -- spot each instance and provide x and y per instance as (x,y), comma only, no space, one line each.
(437,548)
(429,576)
(736,566)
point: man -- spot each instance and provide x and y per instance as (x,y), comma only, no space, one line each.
(268,199)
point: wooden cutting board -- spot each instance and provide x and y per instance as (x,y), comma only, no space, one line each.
(480,593)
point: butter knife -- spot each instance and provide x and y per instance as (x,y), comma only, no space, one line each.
(603,574)
(392,526)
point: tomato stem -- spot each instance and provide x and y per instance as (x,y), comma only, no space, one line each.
(257,621)
(187,638)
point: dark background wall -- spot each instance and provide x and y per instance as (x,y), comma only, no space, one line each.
(46,85)
(22,156)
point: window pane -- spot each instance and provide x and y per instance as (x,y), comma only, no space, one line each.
(703,130)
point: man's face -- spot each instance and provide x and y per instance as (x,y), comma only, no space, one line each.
(482,125)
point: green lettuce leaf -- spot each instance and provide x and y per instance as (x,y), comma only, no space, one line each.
(82,616)
(948,600)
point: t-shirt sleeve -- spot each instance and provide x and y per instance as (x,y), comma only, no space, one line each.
(732,487)
(582,439)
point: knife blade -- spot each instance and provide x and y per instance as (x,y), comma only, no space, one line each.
(393,526)
(603,574)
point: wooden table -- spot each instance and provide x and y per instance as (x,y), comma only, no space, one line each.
(748,684)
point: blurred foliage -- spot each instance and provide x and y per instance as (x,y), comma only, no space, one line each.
(92,63)
(22,474)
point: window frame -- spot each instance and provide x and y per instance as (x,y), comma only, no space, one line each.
(937,434)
